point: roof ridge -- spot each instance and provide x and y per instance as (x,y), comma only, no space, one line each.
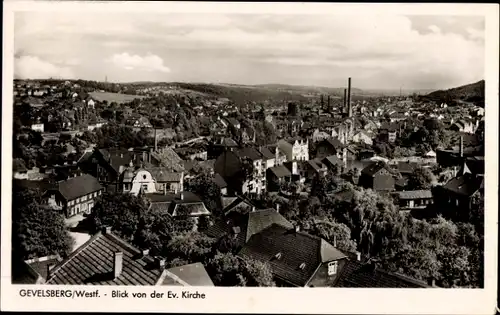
(75,253)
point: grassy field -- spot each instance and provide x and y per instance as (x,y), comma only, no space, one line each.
(113,97)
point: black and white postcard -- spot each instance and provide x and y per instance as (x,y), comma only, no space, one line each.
(249,157)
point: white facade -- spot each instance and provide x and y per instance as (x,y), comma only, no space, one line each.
(299,150)
(143,179)
(37,127)
(91,103)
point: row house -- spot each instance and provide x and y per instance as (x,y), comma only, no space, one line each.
(414,199)
(295,149)
(74,196)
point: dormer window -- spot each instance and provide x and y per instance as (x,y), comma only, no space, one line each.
(277,256)
(332,268)
(302,266)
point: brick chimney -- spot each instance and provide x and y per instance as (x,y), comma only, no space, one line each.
(358,256)
(117,264)
(145,252)
(106,230)
(345,101)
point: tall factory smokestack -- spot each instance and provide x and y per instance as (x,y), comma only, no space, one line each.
(322,102)
(328,103)
(345,101)
(349,107)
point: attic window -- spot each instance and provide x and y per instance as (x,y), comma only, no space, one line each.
(277,256)
(302,266)
(144,176)
(332,268)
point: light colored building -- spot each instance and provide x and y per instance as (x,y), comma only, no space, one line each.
(38,127)
(295,149)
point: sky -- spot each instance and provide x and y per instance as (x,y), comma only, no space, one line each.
(376,51)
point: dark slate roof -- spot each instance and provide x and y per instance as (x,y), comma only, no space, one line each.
(267,153)
(374,167)
(162,206)
(355,274)
(332,160)
(192,274)
(406,167)
(295,248)
(167,158)
(335,142)
(465,185)
(248,224)
(414,194)
(79,186)
(220,181)
(316,164)
(92,264)
(280,171)
(249,152)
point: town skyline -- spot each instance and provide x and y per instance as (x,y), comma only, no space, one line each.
(311,50)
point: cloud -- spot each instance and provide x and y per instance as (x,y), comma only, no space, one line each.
(32,67)
(386,49)
(149,62)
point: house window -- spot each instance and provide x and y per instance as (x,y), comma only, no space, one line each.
(145,187)
(332,268)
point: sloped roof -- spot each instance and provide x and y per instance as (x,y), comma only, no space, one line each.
(280,171)
(356,274)
(267,153)
(220,181)
(162,174)
(414,194)
(79,186)
(407,167)
(193,274)
(167,158)
(335,142)
(248,223)
(465,185)
(333,160)
(92,264)
(226,201)
(374,167)
(249,152)
(296,248)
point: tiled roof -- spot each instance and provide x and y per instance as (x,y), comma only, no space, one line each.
(162,174)
(226,201)
(192,274)
(407,167)
(280,171)
(248,224)
(335,142)
(249,152)
(374,167)
(220,181)
(267,153)
(465,185)
(79,186)
(192,209)
(414,194)
(163,207)
(167,158)
(333,160)
(296,248)
(355,274)
(316,164)
(92,264)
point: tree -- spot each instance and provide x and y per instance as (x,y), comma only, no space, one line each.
(121,212)
(37,231)
(421,178)
(206,188)
(228,270)
(337,234)
(189,246)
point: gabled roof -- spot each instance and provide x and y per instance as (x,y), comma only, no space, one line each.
(167,158)
(78,186)
(162,175)
(266,153)
(414,194)
(280,171)
(92,264)
(356,274)
(465,185)
(407,167)
(219,181)
(296,248)
(316,164)
(375,167)
(332,160)
(249,224)
(334,142)
(248,152)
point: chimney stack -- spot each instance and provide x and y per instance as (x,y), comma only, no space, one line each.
(145,252)
(161,262)
(349,108)
(182,195)
(358,256)
(117,264)
(345,101)
(106,230)
(297,228)
(328,103)
(278,207)
(335,241)
(253,209)
(461,146)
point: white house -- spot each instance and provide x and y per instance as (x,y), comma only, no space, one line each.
(295,149)
(38,127)
(91,103)
(362,136)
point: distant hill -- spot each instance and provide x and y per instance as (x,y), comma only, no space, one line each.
(308,89)
(470,93)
